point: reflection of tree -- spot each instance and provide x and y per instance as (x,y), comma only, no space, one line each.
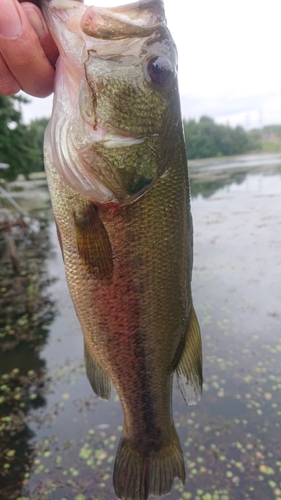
(25,312)
(209,182)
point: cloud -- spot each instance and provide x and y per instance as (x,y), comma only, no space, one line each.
(36,108)
(250,111)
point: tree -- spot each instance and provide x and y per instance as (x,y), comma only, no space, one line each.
(37,130)
(10,117)
(20,144)
(206,139)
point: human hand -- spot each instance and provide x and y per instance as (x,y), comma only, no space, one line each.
(27,50)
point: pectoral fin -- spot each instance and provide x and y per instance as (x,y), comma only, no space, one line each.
(99,381)
(93,242)
(189,369)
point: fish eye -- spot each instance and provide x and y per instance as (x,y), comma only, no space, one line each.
(159,69)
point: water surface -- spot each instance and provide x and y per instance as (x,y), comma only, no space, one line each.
(61,440)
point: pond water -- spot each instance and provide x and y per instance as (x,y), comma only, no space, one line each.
(58,440)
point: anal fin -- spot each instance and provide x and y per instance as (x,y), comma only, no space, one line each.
(99,381)
(189,368)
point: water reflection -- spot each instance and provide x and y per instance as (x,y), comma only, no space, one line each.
(208,176)
(26,311)
(208,186)
(231,440)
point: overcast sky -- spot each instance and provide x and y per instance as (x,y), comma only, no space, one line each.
(229,60)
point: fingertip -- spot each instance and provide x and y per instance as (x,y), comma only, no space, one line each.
(45,90)
(36,19)
(8,88)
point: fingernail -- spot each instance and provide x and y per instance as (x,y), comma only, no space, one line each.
(10,22)
(37,22)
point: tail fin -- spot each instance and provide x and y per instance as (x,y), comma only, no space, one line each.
(137,476)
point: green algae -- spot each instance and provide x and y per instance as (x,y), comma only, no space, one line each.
(63,440)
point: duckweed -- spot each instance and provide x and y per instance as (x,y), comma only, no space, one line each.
(56,435)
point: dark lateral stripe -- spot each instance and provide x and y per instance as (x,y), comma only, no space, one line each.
(93,243)
(149,435)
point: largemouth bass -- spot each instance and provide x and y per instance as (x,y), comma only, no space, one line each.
(117,172)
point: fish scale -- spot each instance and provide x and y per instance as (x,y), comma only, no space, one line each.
(127,251)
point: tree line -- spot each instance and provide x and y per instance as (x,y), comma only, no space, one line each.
(21,145)
(206,139)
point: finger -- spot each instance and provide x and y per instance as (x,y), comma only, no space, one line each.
(22,52)
(36,19)
(8,84)
(35,2)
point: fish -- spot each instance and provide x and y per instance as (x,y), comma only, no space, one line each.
(117,171)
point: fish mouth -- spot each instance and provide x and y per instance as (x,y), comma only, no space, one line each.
(127,21)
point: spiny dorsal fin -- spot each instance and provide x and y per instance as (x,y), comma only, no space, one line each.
(93,242)
(189,369)
(99,381)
